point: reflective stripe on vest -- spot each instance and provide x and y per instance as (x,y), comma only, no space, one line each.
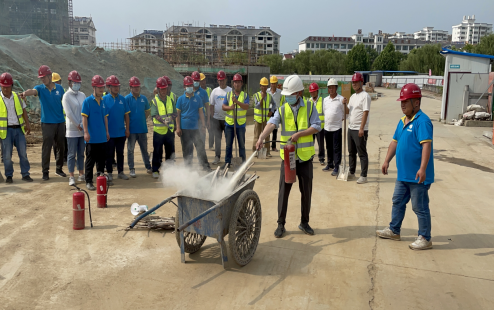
(320,110)
(304,145)
(208,90)
(164,112)
(241,113)
(4,119)
(259,116)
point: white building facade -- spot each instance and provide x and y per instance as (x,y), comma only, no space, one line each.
(84,31)
(469,31)
(430,34)
(150,41)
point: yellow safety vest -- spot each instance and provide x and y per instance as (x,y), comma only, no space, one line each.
(241,113)
(208,90)
(320,110)
(261,115)
(304,146)
(4,117)
(164,112)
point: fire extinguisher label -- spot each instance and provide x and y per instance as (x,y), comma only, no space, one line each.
(101,187)
(293,164)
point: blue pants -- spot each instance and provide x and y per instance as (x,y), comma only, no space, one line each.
(229,143)
(15,137)
(419,194)
(142,139)
(75,146)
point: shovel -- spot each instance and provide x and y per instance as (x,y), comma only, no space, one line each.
(343,175)
(261,154)
(236,161)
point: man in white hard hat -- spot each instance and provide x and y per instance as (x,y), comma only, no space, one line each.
(299,122)
(278,100)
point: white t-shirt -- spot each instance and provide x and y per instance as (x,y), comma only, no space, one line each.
(359,103)
(276,98)
(334,111)
(218,95)
(12,119)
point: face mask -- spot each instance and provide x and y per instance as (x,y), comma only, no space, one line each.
(76,86)
(292,99)
(189,90)
(196,84)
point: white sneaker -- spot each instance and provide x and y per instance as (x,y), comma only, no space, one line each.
(132,173)
(110,176)
(421,244)
(216,160)
(149,171)
(156,175)
(71,181)
(362,180)
(122,176)
(81,178)
(387,233)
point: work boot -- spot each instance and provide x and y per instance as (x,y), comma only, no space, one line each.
(278,233)
(328,167)
(335,171)
(9,180)
(322,162)
(421,244)
(216,160)
(110,177)
(46,176)
(90,186)
(156,175)
(306,229)
(387,233)
(132,173)
(362,180)
(122,176)
(351,176)
(60,173)
(81,178)
(71,181)
(27,178)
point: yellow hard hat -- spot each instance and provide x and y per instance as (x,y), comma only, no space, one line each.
(202,76)
(274,79)
(55,77)
(264,81)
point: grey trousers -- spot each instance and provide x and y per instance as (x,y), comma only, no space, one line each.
(358,145)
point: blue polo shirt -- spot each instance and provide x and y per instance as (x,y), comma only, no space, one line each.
(409,150)
(116,108)
(95,113)
(51,103)
(138,108)
(189,111)
(201,93)
(246,101)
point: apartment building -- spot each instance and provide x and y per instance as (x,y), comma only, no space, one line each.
(149,41)
(469,31)
(84,31)
(431,34)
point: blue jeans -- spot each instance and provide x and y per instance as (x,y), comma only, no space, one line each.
(75,147)
(229,143)
(15,137)
(419,194)
(142,139)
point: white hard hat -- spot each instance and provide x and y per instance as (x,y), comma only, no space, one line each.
(332,82)
(292,84)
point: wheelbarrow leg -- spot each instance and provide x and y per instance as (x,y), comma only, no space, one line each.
(182,246)
(224,256)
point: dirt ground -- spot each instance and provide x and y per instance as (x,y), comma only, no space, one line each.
(44,264)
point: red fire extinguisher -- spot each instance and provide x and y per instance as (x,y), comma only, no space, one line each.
(290,162)
(101,191)
(79,208)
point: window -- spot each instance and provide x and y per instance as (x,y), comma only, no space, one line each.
(323,45)
(350,46)
(411,47)
(53,11)
(405,47)
(269,38)
(330,46)
(270,45)
(336,46)
(343,46)
(85,30)
(76,29)
(398,47)
(317,45)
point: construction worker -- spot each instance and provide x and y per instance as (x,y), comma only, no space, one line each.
(358,127)
(278,100)
(14,125)
(52,119)
(169,89)
(317,102)
(263,101)
(57,79)
(334,111)
(140,110)
(208,91)
(203,95)
(217,124)
(190,121)
(96,135)
(72,104)
(235,105)
(163,114)
(118,126)
(299,122)
(412,144)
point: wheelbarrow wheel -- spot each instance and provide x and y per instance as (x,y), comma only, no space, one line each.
(193,242)
(245,227)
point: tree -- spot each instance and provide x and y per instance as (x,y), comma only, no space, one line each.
(274,62)
(289,66)
(302,62)
(235,58)
(357,59)
(425,58)
(372,54)
(387,60)
(486,46)
(468,48)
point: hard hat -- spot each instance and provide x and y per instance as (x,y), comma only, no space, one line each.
(188,81)
(273,79)
(195,76)
(112,81)
(74,77)
(410,91)
(161,83)
(97,81)
(221,75)
(44,71)
(357,77)
(203,77)
(313,87)
(292,84)
(237,77)
(134,82)
(6,80)
(332,82)
(168,80)
(264,81)
(55,77)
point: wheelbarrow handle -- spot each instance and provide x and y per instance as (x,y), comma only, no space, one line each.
(151,211)
(200,216)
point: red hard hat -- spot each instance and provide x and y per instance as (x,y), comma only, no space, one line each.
(409,91)
(44,71)
(313,87)
(358,77)
(97,81)
(161,83)
(74,77)
(221,75)
(134,82)
(188,81)
(196,76)
(237,77)
(112,81)
(168,80)
(6,80)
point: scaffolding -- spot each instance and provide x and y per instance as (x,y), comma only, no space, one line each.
(71,22)
(122,45)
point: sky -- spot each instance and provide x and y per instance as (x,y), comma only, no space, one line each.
(293,20)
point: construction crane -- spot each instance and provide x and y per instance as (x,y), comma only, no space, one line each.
(71,22)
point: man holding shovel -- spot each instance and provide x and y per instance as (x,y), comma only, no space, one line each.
(263,101)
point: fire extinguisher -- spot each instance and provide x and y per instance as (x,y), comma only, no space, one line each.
(102,187)
(79,208)
(290,162)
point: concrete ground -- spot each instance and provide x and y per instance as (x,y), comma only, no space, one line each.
(44,264)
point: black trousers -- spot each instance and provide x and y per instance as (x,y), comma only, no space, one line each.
(115,145)
(320,143)
(95,154)
(189,139)
(66,151)
(305,176)
(358,145)
(159,141)
(218,129)
(275,137)
(333,146)
(52,134)
(211,132)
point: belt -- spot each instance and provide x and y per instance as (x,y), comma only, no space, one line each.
(14,126)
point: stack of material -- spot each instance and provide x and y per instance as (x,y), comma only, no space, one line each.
(369,87)
(156,222)
(475,111)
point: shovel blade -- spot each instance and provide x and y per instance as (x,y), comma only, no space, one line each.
(343,175)
(262,153)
